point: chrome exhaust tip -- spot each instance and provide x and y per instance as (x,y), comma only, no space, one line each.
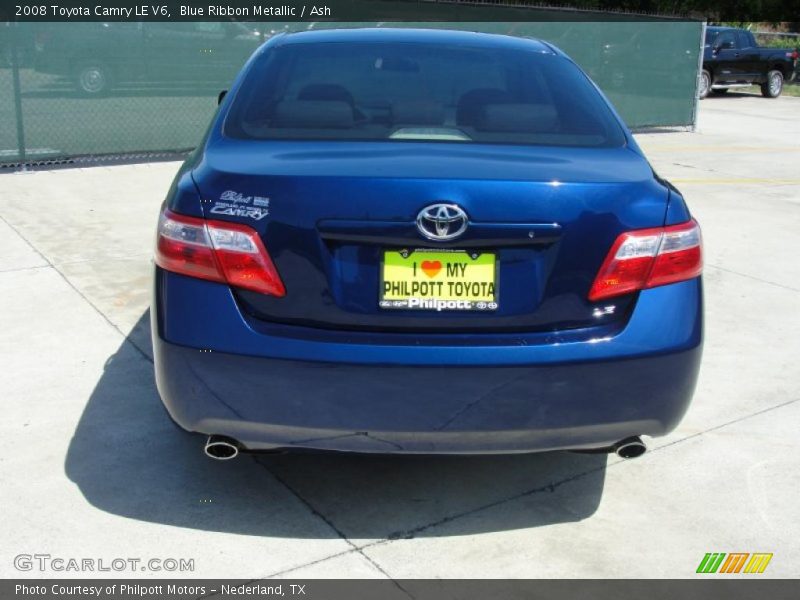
(221,448)
(632,447)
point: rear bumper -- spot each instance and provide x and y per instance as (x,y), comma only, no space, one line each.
(218,375)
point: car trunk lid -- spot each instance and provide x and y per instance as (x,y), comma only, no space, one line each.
(328,213)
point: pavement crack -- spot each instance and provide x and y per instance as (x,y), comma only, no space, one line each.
(548,488)
(553,486)
(695,167)
(20,269)
(283,572)
(354,547)
(754,278)
(723,425)
(66,280)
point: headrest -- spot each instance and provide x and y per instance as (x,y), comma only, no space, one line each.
(472,102)
(518,118)
(312,114)
(326,91)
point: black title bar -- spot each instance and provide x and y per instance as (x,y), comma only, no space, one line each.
(394,10)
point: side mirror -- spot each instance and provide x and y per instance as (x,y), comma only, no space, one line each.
(221,96)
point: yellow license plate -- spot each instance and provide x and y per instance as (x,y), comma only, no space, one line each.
(438,280)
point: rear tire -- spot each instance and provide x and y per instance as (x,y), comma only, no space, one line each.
(92,78)
(773,86)
(704,86)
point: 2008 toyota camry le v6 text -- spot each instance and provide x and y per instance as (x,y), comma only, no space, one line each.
(427,242)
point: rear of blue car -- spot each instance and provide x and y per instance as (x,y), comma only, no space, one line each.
(423,242)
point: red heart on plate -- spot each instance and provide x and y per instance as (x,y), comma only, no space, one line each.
(431,267)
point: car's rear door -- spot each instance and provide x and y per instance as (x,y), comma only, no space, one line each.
(730,65)
(751,65)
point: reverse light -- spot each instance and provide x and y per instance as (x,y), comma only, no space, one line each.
(648,258)
(217,251)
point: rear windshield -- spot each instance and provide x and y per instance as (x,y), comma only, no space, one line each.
(413,92)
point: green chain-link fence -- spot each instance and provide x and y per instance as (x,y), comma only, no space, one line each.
(78,89)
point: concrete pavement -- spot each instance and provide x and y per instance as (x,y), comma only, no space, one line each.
(96,468)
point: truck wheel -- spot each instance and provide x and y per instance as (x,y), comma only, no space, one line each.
(773,86)
(92,78)
(705,84)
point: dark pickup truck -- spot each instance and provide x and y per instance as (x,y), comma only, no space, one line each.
(732,58)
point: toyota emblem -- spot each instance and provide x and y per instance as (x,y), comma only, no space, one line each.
(442,222)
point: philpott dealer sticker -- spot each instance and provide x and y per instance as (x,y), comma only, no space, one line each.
(236,204)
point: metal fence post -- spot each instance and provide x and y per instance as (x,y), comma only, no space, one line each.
(17,93)
(696,105)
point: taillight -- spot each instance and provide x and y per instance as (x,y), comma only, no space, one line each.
(218,251)
(648,258)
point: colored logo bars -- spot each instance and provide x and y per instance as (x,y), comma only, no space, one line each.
(736,562)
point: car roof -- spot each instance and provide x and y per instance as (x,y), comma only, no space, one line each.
(421,36)
(720,28)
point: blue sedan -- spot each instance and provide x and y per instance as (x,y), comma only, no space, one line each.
(420,241)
